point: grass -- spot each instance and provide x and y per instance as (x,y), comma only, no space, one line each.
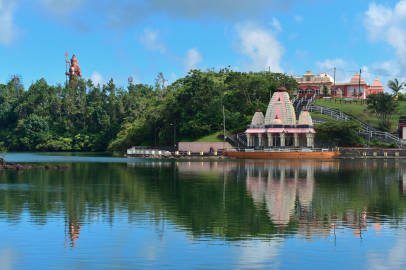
(211,138)
(360,111)
(321,116)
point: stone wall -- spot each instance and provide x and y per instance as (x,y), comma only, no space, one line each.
(197,147)
(372,153)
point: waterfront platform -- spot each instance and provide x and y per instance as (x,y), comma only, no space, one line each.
(282,153)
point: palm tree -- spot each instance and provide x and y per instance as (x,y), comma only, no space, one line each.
(395,86)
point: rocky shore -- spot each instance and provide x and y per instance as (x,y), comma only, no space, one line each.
(26,166)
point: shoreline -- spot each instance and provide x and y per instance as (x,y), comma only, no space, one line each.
(13,166)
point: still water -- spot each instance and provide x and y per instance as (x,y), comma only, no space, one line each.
(116,213)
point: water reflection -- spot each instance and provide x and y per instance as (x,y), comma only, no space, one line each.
(72,231)
(288,194)
(266,202)
(278,188)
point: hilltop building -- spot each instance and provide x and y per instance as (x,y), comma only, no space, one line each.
(323,85)
(279,127)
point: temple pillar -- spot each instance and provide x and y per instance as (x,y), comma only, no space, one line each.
(270,142)
(309,140)
(248,140)
(312,140)
(282,136)
(296,140)
(259,139)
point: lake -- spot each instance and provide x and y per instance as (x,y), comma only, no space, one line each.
(117,213)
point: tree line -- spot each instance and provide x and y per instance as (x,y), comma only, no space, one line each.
(88,117)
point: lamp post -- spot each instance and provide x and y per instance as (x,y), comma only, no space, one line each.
(155,134)
(174,135)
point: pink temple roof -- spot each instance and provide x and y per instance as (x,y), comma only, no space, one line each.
(280,130)
(377,84)
(355,79)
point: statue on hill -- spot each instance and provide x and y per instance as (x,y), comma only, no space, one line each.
(74,70)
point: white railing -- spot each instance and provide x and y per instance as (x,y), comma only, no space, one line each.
(366,130)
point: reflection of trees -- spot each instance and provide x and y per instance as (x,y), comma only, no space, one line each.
(253,199)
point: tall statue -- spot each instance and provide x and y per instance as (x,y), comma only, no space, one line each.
(74,69)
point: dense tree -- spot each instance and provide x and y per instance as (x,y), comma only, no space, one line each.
(383,105)
(193,106)
(86,117)
(338,133)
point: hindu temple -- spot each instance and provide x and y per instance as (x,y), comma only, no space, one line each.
(279,127)
(324,85)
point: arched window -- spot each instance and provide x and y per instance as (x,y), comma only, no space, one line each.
(309,91)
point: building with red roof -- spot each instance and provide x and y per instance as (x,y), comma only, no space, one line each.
(324,85)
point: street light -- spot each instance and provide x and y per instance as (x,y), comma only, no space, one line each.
(155,134)
(174,134)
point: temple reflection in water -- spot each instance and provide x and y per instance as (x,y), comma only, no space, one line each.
(279,189)
(287,191)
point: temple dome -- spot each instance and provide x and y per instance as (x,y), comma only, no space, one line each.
(356,78)
(280,107)
(258,119)
(325,77)
(305,118)
(308,73)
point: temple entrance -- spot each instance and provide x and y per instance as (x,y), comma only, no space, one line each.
(276,140)
(289,140)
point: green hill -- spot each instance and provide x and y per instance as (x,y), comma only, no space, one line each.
(359,111)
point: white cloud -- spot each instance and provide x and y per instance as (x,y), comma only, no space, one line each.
(387,24)
(193,57)
(261,46)
(7,28)
(298,18)
(172,78)
(122,14)
(329,64)
(96,78)
(151,41)
(276,25)
(344,70)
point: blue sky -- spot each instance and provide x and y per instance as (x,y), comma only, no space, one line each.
(122,38)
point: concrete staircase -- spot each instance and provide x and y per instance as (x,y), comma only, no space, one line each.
(300,103)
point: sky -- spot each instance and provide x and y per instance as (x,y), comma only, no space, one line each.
(140,38)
